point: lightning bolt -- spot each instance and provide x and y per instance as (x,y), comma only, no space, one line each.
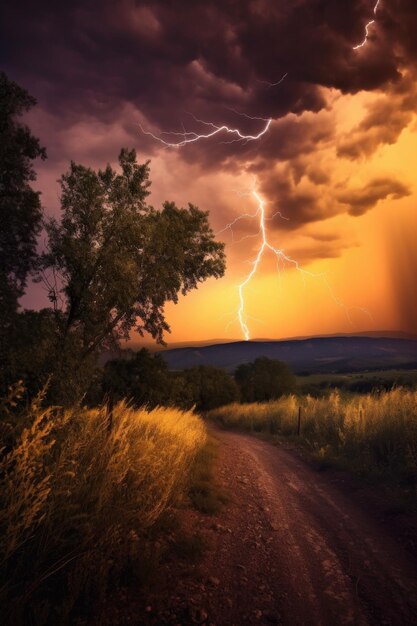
(192,137)
(367,27)
(269,84)
(282,258)
(265,245)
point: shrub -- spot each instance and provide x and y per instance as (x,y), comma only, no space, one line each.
(264,379)
(210,387)
(142,378)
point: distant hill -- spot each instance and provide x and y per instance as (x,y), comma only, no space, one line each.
(317,354)
(135,344)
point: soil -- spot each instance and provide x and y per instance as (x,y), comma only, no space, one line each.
(294,546)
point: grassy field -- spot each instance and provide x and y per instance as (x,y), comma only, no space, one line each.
(373,434)
(80,500)
(358,382)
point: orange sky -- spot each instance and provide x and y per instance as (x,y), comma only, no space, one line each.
(337,162)
(354,285)
(351,275)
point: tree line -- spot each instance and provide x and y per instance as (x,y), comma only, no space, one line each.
(144,378)
(111,261)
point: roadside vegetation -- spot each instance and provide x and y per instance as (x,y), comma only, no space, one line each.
(374,434)
(79,499)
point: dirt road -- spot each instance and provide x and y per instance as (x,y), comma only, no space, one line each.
(292,549)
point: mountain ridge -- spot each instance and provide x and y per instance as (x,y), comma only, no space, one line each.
(327,354)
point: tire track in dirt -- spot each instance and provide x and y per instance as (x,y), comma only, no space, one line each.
(292,549)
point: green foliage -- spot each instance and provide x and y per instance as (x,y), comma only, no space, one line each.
(210,387)
(20,209)
(384,380)
(264,379)
(34,357)
(143,379)
(119,260)
(357,382)
(32,340)
(114,261)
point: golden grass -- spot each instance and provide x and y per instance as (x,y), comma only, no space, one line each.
(375,432)
(76,501)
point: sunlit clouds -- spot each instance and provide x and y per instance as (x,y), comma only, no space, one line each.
(311,103)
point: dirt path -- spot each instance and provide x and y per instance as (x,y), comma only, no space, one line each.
(292,549)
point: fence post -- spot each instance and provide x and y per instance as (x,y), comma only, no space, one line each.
(299,421)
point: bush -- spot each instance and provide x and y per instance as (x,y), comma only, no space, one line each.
(264,379)
(210,387)
(77,500)
(142,378)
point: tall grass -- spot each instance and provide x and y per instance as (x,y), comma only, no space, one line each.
(375,433)
(77,501)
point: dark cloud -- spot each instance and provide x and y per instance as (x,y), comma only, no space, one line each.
(383,123)
(99,68)
(169,57)
(304,204)
(361,200)
(298,205)
(316,174)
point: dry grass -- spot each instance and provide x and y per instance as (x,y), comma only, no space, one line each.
(77,502)
(375,433)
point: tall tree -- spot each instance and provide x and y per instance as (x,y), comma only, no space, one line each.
(114,261)
(20,207)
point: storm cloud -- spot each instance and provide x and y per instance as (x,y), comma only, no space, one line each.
(99,69)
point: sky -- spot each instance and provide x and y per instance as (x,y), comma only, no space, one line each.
(333,165)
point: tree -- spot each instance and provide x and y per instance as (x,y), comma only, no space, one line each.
(142,378)
(210,387)
(31,359)
(20,209)
(264,379)
(114,261)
